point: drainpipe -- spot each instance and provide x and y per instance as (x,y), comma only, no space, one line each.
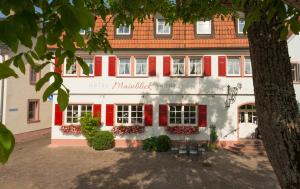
(2,93)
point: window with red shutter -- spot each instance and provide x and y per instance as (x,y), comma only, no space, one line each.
(57,68)
(112,66)
(166,65)
(163,115)
(97,112)
(222,65)
(148,114)
(58,119)
(202,116)
(109,114)
(207,65)
(98,66)
(152,65)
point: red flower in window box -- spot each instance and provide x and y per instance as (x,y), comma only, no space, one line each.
(182,130)
(71,129)
(123,130)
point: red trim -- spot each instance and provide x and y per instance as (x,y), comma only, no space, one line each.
(109,114)
(97,112)
(222,65)
(58,115)
(163,115)
(98,66)
(202,116)
(112,66)
(148,114)
(152,66)
(207,65)
(166,66)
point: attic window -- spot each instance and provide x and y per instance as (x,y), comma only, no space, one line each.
(240,25)
(123,30)
(203,27)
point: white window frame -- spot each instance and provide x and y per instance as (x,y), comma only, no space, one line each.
(65,69)
(121,33)
(81,70)
(199,24)
(238,26)
(165,24)
(35,111)
(296,72)
(79,113)
(227,66)
(135,66)
(201,65)
(83,31)
(247,57)
(172,66)
(119,64)
(182,115)
(129,115)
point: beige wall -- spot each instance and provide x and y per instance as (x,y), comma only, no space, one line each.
(18,91)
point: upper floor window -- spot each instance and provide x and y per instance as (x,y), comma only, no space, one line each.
(33,111)
(182,115)
(203,27)
(33,76)
(233,66)
(141,66)
(84,32)
(296,72)
(195,66)
(72,71)
(123,30)
(75,112)
(90,64)
(124,66)
(130,115)
(247,67)
(162,28)
(240,25)
(178,66)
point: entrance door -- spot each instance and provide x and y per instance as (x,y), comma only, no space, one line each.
(247,121)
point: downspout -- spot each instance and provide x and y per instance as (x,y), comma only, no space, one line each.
(2,94)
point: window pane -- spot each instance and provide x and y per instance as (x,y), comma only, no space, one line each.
(233,66)
(242,117)
(248,69)
(204,27)
(241,24)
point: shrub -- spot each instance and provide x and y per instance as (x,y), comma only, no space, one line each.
(103,140)
(159,144)
(89,127)
(213,134)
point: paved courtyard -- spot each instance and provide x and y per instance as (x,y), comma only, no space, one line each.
(34,165)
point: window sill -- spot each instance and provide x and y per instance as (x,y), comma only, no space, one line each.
(182,130)
(33,121)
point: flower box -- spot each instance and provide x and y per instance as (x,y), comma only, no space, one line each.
(182,130)
(71,129)
(123,130)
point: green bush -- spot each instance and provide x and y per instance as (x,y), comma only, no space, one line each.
(89,127)
(213,134)
(159,144)
(103,140)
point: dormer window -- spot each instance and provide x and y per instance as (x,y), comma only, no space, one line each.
(162,27)
(123,30)
(203,27)
(240,25)
(84,32)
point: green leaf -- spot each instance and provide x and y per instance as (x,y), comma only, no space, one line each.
(83,65)
(62,99)
(7,143)
(284,33)
(53,87)
(6,71)
(40,47)
(68,44)
(70,62)
(43,80)
(18,61)
(29,59)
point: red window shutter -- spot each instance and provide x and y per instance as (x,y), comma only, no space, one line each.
(222,65)
(109,114)
(57,68)
(58,119)
(97,112)
(98,66)
(163,115)
(202,116)
(207,65)
(166,66)
(112,66)
(148,114)
(152,66)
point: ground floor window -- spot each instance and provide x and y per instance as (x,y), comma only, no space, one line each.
(182,115)
(75,111)
(33,111)
(130,115)
(296,72)
(248,114)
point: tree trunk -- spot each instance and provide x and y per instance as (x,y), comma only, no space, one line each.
(278,115)
(293,3)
